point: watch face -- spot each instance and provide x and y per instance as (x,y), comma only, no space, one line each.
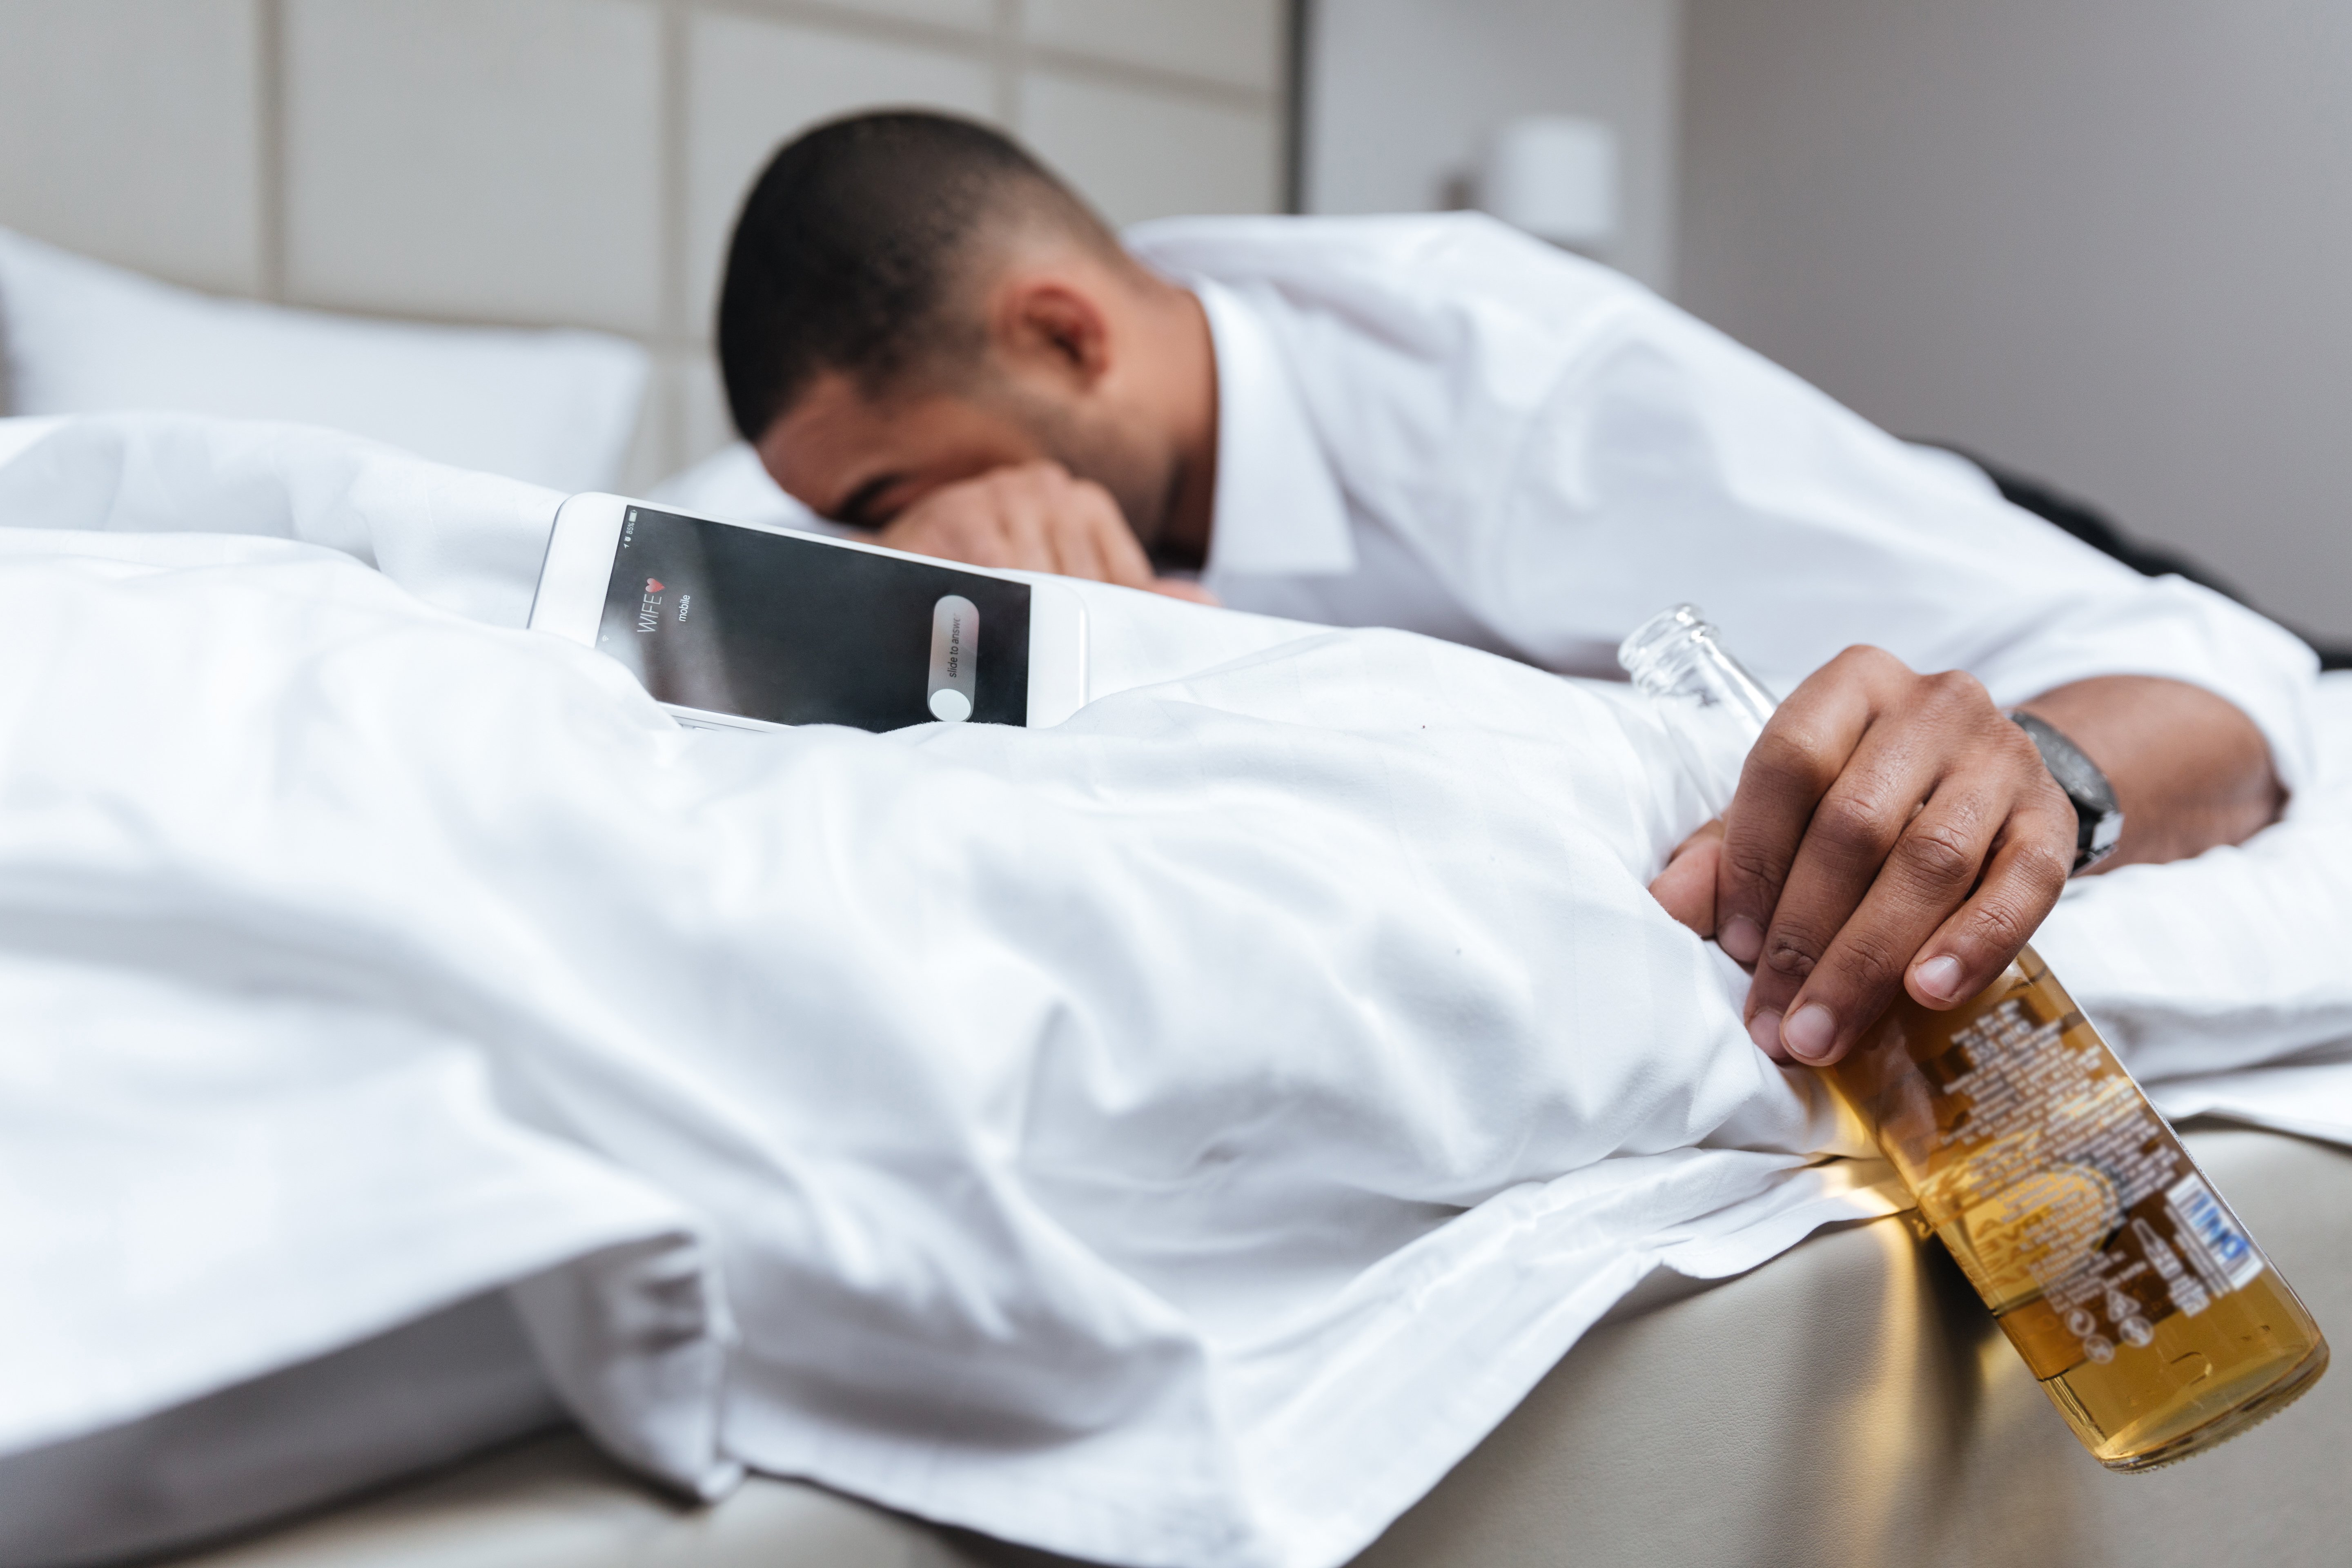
(2106,831)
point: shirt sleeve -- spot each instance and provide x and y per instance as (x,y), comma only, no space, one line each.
(1667,464)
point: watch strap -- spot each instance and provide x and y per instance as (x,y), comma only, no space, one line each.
(2098,820)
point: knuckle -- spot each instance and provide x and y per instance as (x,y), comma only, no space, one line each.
(1868,958)
(1952,700)
(1856,823)
(1960,695)
(1790,954)
(1941,853)
(2045,795)
(1793,756)
(1957,686)
(1024,484)
(2001,925)
(2044,866)
(1751,863)
(2020,751)
(1863,655)
(1876,667)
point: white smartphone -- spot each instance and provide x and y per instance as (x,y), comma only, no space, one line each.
(745,628)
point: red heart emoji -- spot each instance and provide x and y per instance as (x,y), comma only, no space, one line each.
(653,585)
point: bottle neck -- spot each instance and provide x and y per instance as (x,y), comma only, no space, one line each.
(1713,709)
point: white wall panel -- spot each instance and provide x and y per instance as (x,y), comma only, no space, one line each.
(1236,41)
(577,162)
(1402,95)
(752,85)
(1137,153)
(483,159)
(130,130)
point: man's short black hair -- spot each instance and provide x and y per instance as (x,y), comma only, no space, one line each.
(850,248)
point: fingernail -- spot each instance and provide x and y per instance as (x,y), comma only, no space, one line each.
(1940,978)
(1743,938)
(1765,1030)
(1810,1032)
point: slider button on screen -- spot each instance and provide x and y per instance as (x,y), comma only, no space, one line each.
(955,645)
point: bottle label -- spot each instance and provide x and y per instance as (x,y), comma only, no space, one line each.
(2051,1176)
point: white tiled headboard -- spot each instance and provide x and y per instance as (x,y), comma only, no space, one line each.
(578,161)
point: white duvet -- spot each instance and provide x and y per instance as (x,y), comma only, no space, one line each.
(1174,1136)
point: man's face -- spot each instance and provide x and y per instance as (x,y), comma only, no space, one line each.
(863,461)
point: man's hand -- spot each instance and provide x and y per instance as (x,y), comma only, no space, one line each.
(1897,830)
(1035,518)
(1890,831)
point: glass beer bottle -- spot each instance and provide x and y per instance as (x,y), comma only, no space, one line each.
(2152,1320)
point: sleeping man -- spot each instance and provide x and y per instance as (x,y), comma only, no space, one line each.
(1434,423)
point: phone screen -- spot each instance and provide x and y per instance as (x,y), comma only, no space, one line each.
(766,626)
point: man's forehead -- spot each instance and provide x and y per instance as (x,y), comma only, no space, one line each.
(837,440)
(831,419)
(834,439)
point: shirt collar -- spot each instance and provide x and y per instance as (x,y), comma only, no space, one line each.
(1278,508)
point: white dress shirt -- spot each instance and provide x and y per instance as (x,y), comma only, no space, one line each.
(1439,424)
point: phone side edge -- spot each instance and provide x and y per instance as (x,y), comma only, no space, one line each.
(578,566)
(1057,653)
(710,718)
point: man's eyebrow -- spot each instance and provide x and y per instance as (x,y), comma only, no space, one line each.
(858,510)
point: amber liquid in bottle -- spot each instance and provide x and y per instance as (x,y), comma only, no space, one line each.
(2157,1326)
(2154,1322)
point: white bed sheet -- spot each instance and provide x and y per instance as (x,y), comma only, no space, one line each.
(1081,1364)
(1154,1137)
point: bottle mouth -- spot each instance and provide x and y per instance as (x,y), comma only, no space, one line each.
(1678,654)
(1654,644)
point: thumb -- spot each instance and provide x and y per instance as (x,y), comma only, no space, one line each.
(1686,889)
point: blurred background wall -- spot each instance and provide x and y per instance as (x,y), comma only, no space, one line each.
(1401,95)
(2109,241)
(2106,241)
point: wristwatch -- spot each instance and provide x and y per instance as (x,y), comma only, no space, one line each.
(2099,822)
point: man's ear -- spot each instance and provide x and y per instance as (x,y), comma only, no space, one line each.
(1050,323)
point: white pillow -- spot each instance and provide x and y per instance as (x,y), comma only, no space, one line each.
(557,408)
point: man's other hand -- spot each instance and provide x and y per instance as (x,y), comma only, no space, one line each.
(1034,517)
(1890,831)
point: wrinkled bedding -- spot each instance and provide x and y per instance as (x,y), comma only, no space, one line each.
(1176,1136)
